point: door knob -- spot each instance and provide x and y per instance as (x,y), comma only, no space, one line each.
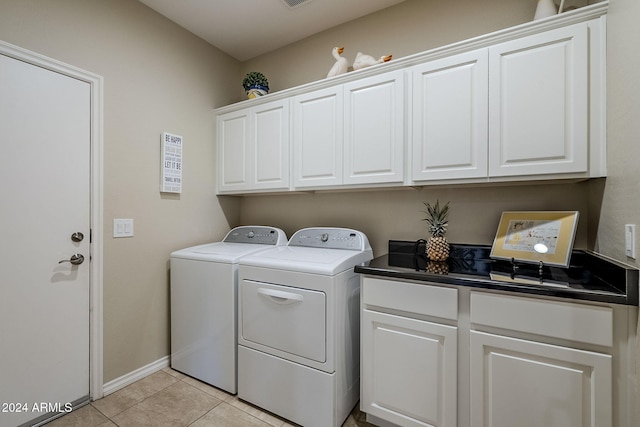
(77,236)
(76,259)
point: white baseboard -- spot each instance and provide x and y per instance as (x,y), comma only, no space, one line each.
(138,374)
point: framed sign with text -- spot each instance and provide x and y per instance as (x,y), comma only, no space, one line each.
(171,167)
(536,236)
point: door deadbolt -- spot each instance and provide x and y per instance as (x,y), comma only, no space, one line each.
(77,237)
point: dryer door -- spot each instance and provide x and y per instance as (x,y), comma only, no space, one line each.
(283,320)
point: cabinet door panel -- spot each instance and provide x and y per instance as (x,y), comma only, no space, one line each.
(253,148)
(233,146)
(374,129)
(317,138)
(522,383)
(538,95)
(408,370)
(271,146)
(450,134)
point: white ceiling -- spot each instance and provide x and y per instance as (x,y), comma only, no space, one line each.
(245,29)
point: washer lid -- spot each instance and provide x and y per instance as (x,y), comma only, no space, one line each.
(219,252)
(239,242)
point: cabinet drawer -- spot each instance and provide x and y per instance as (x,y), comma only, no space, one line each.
(576,322)
(411,297)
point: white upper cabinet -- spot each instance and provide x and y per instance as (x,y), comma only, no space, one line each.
(539,103)
(450,98)
(350,134)
(233,148)
(270,146)
(253,148)
(522,104)
(374,129)
(318,138)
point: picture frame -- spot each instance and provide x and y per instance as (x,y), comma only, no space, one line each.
(536,237)
(171,163)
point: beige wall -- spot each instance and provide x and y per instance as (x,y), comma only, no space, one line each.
(398,214)
(157,77)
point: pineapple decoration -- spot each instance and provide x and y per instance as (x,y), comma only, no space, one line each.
(437,267)
(437,245)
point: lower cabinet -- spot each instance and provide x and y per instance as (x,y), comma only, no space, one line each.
(409,377)
(409,365)
(444,355)
(525,383)
(529,363)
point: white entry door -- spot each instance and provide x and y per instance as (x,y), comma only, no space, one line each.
(45,218)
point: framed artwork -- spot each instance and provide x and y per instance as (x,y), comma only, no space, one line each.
(542,236)
(171,168)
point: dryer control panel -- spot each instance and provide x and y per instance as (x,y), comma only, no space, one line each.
(330,238)
(256,235)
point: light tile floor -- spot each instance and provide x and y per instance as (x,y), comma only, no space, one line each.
(169,398)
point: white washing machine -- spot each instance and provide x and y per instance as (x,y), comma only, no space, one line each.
(204,304)
(299,326)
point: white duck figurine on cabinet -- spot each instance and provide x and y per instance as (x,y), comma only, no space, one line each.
(364,61)
(341,65)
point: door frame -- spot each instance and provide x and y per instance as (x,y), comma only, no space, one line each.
(96,83)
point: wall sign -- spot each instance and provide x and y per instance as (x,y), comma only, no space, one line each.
(171,167)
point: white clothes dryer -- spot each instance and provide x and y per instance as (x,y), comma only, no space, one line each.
(299,326)
(204,303)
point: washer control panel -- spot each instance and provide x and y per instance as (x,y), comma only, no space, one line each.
(256,235)
(330,238)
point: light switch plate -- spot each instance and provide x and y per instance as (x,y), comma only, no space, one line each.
(122,227)
(630,240)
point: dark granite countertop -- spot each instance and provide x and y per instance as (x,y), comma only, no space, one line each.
(590,276)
